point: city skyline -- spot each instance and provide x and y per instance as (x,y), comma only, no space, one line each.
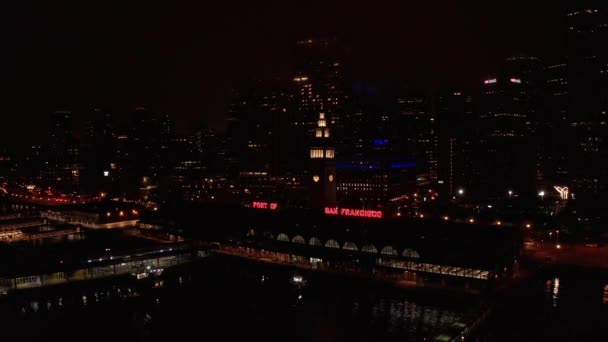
(186,67)
(310,171)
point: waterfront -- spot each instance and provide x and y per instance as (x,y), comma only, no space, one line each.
(561,304)
(238,299)
(232,299)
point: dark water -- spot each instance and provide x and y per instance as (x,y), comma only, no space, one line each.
(554,306)
(57,240)
(228,300)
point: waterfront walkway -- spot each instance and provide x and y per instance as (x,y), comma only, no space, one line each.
(457,331)
(567,255)
(135,263)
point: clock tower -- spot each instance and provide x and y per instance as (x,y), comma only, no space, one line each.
(322,178)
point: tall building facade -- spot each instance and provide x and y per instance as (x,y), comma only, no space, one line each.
(258,132)
(587,77)
(507,163)
(418,134)
(320,80)
(457,138)
(62,167)
(97,149)
(320,85)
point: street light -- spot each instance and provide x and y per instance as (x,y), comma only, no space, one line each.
(541,194)
(461,191)
(510,192)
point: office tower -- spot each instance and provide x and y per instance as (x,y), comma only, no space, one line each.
(587,77)
(417,125)
(31,167)
(258,131)
(507,163)
(204,139)
(319,70)
(457,135)
(98,149)
(555,131)
(378,164)
(529,70)
(145,145)
(63,166)
(320,85)
(6,164)
(61,130)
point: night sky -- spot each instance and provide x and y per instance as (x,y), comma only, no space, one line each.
(183,59)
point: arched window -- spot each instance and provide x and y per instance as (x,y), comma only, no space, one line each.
(315,242)
(283,237)
(388,250)
(332,244)
(298,239)
(350,246)
(410,253)
(369,249)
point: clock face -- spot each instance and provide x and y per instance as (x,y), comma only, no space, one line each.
(331,178)
(315,178)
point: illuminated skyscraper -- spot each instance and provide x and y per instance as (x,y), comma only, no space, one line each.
(506,160)
(61,130)
(319,67)
(418,134)
(587,80)
(97,148)
(456,138)
(319,85)
(62,167)
(257,130)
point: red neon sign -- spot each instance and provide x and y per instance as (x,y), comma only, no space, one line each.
(377,214)
(265,205)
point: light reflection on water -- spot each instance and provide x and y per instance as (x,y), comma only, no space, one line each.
(57,239)
(240,296)
(556,305)
(552,290)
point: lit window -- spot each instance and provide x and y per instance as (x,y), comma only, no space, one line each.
(315,178)
(332,244)
(369,249)
(329,153)
(351,246)
(315,242)
(316,153)
(388,250)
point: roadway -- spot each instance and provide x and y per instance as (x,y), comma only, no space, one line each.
(568,255)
